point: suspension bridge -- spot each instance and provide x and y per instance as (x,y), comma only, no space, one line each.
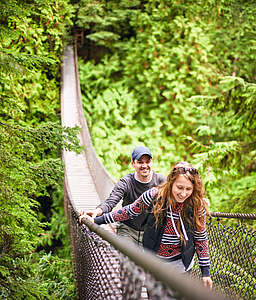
(105,266)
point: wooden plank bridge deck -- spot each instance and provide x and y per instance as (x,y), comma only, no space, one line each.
(77,172)
(85,178)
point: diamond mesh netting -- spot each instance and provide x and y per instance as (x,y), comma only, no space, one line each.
(233,257)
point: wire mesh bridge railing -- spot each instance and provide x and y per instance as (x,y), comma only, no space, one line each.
(107,266)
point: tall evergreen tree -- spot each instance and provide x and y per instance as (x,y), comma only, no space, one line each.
(31,137)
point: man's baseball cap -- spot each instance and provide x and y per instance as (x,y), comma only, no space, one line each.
(139,151)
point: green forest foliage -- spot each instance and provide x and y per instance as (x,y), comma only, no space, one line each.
(179,77)
(31,43)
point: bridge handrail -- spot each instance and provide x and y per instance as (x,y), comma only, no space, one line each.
(233,215)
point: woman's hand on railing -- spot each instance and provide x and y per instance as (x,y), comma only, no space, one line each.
(90,213)
(85,216)
(93,213)
(207,282)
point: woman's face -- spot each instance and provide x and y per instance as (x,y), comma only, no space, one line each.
(182,188)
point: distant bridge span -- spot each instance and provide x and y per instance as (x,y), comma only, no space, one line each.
(85,176)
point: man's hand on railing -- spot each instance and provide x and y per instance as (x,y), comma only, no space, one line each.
(89,214)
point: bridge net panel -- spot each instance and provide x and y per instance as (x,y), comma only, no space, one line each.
(233,259)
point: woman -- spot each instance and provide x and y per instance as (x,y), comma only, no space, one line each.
(176,228)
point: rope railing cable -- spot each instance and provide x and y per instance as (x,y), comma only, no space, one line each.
(233,215)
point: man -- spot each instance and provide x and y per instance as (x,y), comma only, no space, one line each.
(128,189)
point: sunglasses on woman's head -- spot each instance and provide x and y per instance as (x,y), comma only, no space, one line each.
(183,170)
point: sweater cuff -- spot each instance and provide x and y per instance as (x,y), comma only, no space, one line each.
(99,220)
(205,271)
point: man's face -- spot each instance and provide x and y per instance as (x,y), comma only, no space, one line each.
(143,167)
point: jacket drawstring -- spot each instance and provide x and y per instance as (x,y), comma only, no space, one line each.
(182,226)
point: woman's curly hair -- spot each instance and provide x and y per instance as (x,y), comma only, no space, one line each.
(195,201)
